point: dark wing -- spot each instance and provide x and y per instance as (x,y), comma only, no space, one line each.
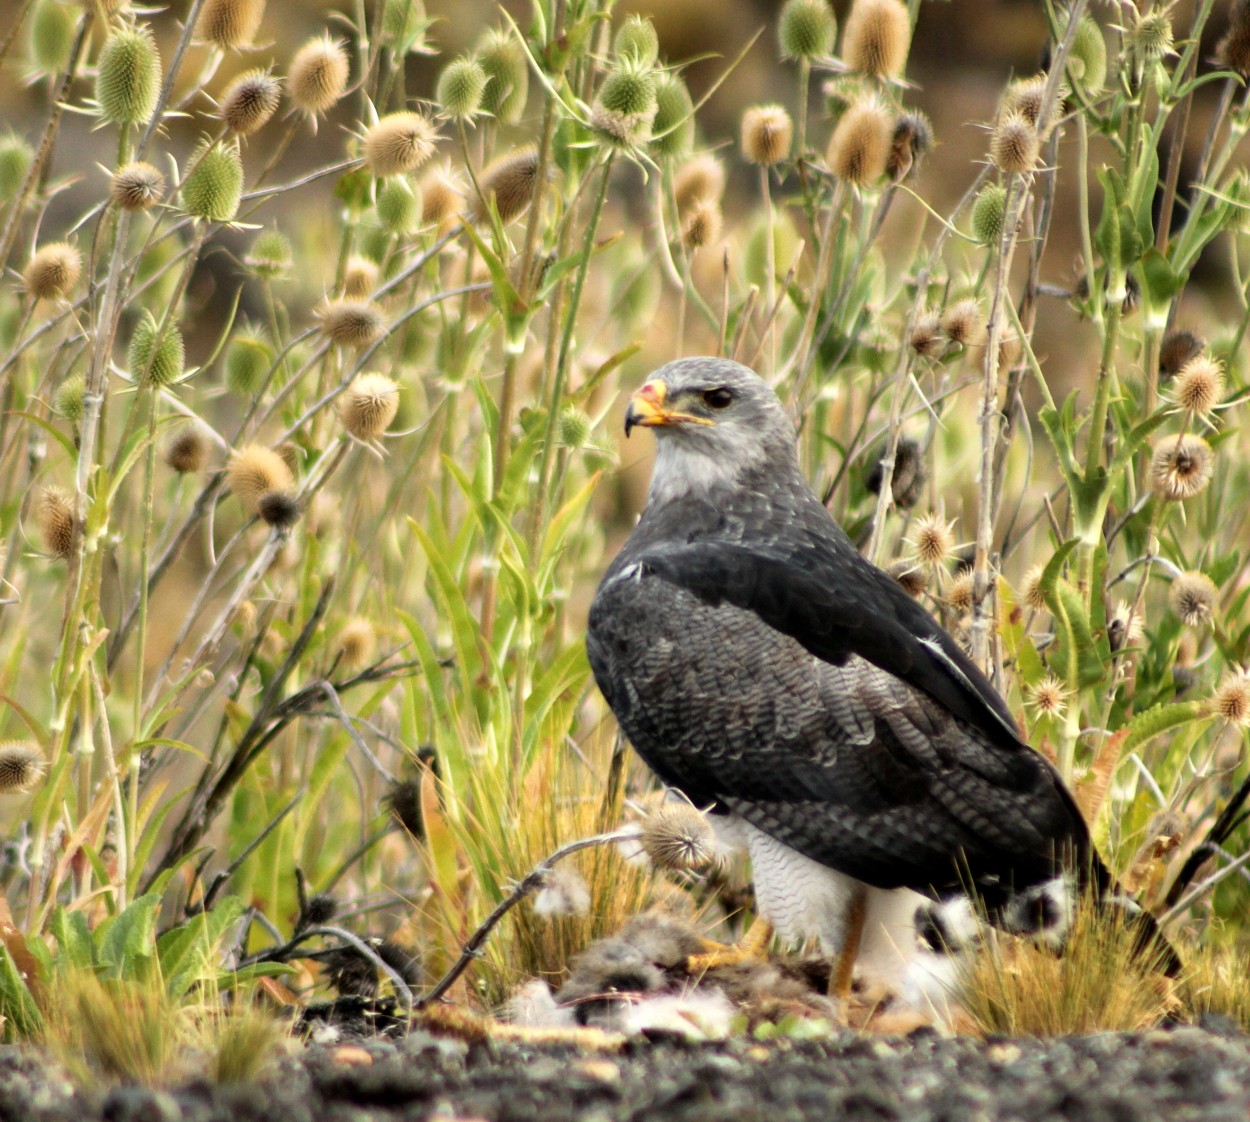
(821,593)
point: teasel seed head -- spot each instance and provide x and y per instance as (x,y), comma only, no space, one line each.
(1233,51)
(1031,594)
(230,24)
(807,29)
(399,142)
(360,277)
(926,337)
(357,640)
(1125,626)
(1014,144)
(53,26)
(352,323)
(56,519)
(860,147)
(137,186)
(678,837)
(318,75)
(249,358)
(250,101)
(1192,598)
(988,213)
(877,38)
(933,540)
(912,578)
(398,205)
(52,271)
(507,70)
(700,178)
(186,450)
(270,255)
(625,106)
(672,131)
(67,401)
(16,156)
(1177,350)
(767,132)
(461,87)
(574,427)
(213,187)
(279,509)
(1199,386)
(958,592)
(964,323)
(636,39)
(1231,700)
(254,471)
(1024,99)
(1150,36)
(128,76)
(368,406)
(441,198)
(702,224)
(157,356)
(1181,468)
(909,475)
(1048,696)
(22,765)
(913,137)
(511,181)
(1087,63)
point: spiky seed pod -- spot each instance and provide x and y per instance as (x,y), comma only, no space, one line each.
(913,137)
(255,470)
(16,156)
(911,577)
(460,88)
(511,181)
(1024,99)
(700,178)
(128,76)
(1031,594)
(52,271)
(964,323)
(1014,144)
(1231,701)
(702,224)
(137,186)
(1087,64)
(1181,468)
(352,323)
(230,24)
(53,26)
(1048,696)
(933,540)
(636,39)
(248,359)
(926,336)
(574,427)
(1125,626)
(672,131)
(318,75)
(250,101)
(678,837)
(279,509)
(1233,51)
(55,517)
(402,24)
(67,401)
(908,478)
(1198,386)
(507,70)
(357,640)
(625,106)
(360,277)
(1150,36)
(398,205)
(860,147)
(399,142)
(441,199)
(1192,598)
(157,356)
(958,592)
(1178,349)
(22,765)
(270,255)
(186,450)
(321,909)
(213,187)
(988,213)
(368,406)
(877,38)
(806,29)
(766,135)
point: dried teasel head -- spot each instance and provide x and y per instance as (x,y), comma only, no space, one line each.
(56,518)
(186,450)
(357,640)
(702,177)
(368,406)
(1048,696)
(1031,592)
(877,38)
(137,186)
(1181,467)
(702,224)
(913,578)
(250,101)
(510,181)
(1231,700)
(678,837)
(52,271)
(441,198)
(859,149)
(1192,598)
(1198,386)
(22,765)
(767,132)
(964,323)
(1178,348)
(318,75)
(279,509)
(352,323)
(360,277)
(926,337)
(230,24)
(1233,51)
(1015,144)
(933,540)
(255,470)
(958,591)
(398,143)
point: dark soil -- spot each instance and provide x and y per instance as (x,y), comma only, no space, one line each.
(1178,1075)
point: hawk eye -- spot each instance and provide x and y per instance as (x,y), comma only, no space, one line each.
(719,398)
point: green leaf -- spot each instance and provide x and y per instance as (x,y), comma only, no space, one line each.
(1161,718)
(73,940)
(127,942)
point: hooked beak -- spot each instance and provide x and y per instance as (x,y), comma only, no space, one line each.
(647,408)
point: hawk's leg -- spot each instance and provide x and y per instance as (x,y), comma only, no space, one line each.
(753,947)
(843,972)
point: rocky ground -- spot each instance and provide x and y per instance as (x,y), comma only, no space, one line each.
(1177,1074)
